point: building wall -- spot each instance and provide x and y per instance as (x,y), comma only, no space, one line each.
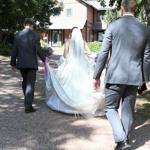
(90,21)
(78,14)
(67,34)
(84,33)
(90,14)
(80,11)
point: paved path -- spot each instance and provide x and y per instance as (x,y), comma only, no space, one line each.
(49,130)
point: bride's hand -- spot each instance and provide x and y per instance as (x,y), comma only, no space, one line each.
(88,53)
(96,84)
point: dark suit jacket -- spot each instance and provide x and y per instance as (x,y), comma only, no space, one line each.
(129,43)
(26,48)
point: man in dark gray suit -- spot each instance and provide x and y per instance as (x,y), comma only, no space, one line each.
(127,42)
(24,57)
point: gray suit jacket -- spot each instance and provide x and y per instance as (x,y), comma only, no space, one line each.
(25,51)
(129,44)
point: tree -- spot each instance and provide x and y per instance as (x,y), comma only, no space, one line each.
(13,12)
(147,10)
(111,14)
(143,8)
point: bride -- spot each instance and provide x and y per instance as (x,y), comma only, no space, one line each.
(69,88)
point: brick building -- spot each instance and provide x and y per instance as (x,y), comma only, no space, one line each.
(85,14)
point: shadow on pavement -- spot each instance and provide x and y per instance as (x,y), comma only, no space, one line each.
(48,130)
(43,130)
(141,132)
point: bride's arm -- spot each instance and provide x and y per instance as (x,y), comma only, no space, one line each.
(66,48)
(87,50)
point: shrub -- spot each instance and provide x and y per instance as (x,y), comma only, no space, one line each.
(5,50)
(94,46)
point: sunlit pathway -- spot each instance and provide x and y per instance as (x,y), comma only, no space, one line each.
(49,130)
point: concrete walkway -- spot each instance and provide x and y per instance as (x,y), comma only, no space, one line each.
(49,130)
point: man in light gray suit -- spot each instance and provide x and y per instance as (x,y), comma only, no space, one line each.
(127,42)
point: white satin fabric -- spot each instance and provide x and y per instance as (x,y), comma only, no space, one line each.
(69,87)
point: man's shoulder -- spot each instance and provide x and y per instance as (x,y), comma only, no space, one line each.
(18,33)
(143,27)
(116,19)
(36,34)
(141,23)
(22,32)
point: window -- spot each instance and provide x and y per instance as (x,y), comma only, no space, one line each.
(100,15)
(100,36)
(56,37)
(69,11)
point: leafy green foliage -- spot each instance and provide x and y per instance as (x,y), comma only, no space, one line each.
(94,46)
(5,50)
(13,12)
(140,13)
(147,10)
(111,15)
(143,7)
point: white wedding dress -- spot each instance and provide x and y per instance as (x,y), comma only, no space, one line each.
(69,87)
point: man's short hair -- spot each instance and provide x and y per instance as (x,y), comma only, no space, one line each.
(129,5)
(28,21)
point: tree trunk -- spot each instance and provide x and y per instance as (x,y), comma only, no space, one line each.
(0,37)
(5,40)
(147,10)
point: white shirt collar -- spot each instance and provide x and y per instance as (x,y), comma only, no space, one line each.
(128,14)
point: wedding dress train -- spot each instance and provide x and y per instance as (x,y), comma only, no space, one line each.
(69,87)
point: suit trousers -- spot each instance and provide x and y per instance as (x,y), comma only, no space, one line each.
(28,84)
(123,96)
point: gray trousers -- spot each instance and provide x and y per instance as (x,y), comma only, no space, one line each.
(28,83)
(114,96)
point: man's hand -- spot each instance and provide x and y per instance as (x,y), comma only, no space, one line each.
(96,84)
(13,68)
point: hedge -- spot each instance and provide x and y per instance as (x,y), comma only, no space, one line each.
(5,50)
(94,46)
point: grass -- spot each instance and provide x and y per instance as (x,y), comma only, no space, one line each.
(58,50)
(93,46)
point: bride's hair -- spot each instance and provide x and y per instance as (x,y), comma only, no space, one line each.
(73,28)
